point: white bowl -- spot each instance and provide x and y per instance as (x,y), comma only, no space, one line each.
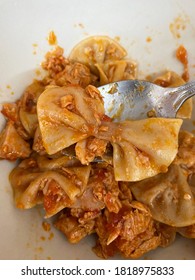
(24,27)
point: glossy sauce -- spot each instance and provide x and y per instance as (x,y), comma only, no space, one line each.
(182,56)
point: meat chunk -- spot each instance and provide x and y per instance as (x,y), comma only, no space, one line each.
(74,73)
(131,231)
(87,149)
(105,188)
(72,228)
(101,191)
(54,62)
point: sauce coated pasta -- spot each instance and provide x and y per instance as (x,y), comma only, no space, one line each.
(139,194)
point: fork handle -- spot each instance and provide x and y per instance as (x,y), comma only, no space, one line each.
(182,93)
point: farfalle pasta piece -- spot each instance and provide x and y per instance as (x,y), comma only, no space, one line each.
(172,79)
(12,145)
(186,152)
(27,116)
(113,71)
(169,197)
(97,49)
(139,150)
(56,189)
(167,234)
(71,114)
(29,121)
(67,115)
(188,231)
(45,163)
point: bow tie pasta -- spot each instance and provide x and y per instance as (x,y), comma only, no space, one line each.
(70,114)
(169,197)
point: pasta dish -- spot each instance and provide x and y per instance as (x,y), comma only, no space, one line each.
(120,181)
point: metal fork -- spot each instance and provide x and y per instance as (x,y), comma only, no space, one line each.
(135,99)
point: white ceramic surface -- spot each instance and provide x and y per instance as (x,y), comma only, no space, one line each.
(24,27)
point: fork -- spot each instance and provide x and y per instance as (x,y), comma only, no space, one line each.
(136,99)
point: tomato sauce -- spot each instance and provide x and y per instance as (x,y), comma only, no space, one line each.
(182,56)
